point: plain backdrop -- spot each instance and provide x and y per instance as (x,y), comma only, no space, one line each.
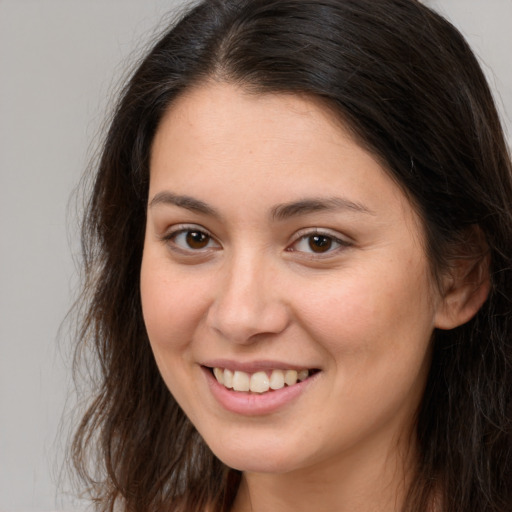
(59,62)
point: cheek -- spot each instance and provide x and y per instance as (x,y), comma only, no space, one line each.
(171,313)
(171,306)
(371,315)
(376,333)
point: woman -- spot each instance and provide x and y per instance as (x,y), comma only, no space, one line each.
(298,256)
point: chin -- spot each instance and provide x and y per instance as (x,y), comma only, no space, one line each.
(265,457)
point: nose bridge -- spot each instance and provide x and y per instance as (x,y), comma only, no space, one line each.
(247,301)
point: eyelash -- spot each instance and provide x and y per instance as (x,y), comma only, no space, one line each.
(171,237)
(331,238)
(301,237)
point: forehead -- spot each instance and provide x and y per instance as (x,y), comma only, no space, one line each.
(215,111)
(229,123)
(218,140)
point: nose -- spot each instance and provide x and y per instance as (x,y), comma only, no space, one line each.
(249,302)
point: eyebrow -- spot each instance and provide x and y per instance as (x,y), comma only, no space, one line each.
(311,205)
(187,202)
(279,213)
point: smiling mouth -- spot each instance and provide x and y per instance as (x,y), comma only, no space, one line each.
(260,382)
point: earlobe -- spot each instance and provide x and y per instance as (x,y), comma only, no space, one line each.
(465,292)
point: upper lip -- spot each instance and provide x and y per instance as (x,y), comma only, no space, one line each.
(255,366)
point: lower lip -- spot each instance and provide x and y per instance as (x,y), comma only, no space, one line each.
(256,404)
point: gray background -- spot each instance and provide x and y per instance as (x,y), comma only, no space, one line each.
(59,60)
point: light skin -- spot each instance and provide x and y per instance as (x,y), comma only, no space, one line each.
(272,236)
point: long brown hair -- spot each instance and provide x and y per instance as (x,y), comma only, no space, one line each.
(407,84)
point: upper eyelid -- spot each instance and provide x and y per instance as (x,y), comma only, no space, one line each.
(176,228)
(179,228)
(336,235)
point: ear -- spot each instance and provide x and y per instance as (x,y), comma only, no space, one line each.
(466,287)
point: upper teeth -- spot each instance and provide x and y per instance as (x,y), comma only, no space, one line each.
(258,382)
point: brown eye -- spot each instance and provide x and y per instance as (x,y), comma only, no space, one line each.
(197,239)
(191,240)
(320,243)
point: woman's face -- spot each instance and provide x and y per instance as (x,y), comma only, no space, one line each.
(278,249)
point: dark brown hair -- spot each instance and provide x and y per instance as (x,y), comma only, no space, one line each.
(406,83)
